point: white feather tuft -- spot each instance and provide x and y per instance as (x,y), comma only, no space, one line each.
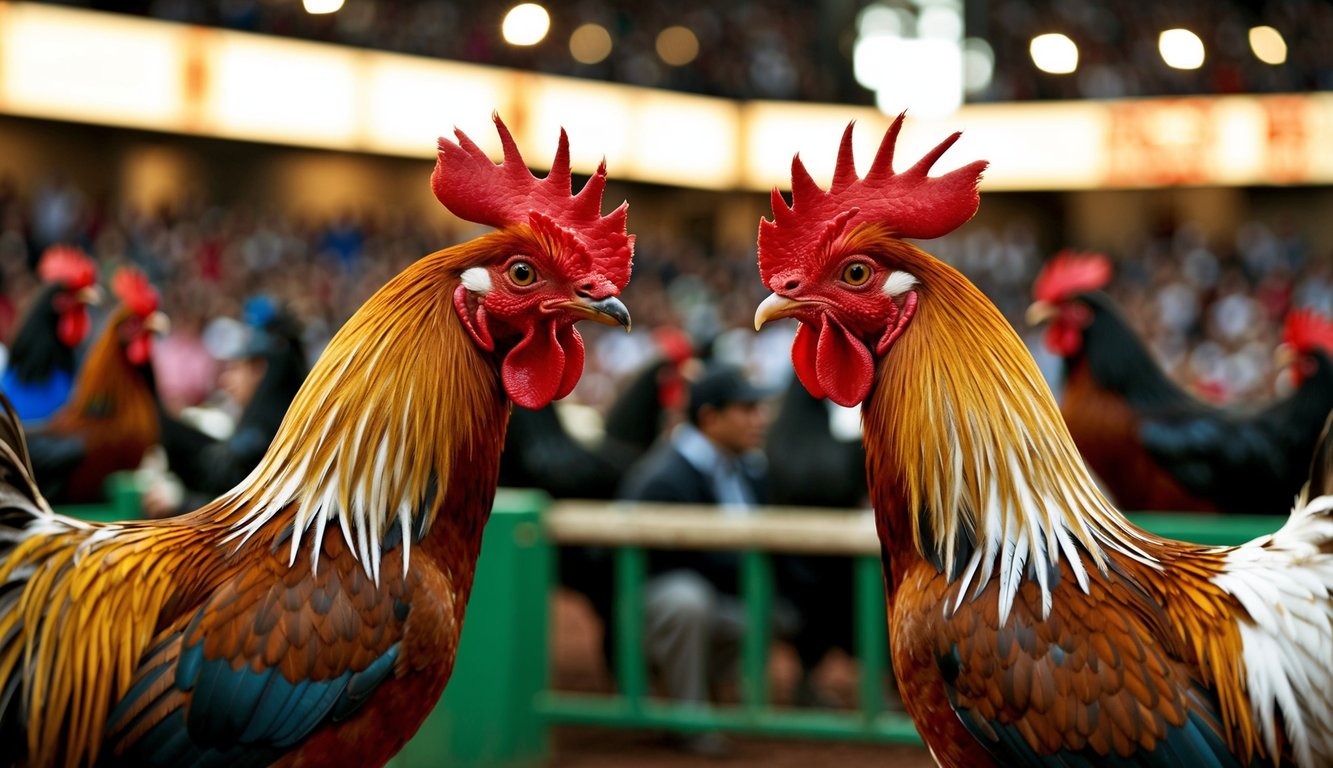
(477,280)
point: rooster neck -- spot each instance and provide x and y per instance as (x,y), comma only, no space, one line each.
(395,437)
(970,462)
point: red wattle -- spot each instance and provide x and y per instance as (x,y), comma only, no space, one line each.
(543,366)
(844,365)
(72,326)
(832,363)
(572,344)
(140,349)
(1063,338)
(804,358)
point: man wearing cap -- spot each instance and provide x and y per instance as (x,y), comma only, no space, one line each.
(693,619)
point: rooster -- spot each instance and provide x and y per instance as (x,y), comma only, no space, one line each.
(310,615)
(111,418)
(41,361)
(1150,442)
(1031,624)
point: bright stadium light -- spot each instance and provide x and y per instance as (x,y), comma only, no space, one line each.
(1268,45)
(526,24)
(318,7)
(1181,49)
(1054,53)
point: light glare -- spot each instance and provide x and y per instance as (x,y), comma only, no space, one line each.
(1181,49)
(526,24)
(677,46)
(1054,53)
(1268,45)
(590,44)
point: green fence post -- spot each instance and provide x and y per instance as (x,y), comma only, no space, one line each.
(757,588)
(631,669)
(872,633)
(487,716)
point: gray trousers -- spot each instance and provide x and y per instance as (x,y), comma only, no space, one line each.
(692,632)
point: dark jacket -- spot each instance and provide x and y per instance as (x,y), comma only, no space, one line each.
(664,475)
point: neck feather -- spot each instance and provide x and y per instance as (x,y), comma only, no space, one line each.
(398,402)
(964,438)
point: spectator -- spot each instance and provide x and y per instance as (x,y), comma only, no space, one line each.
(258,382)
(694,619)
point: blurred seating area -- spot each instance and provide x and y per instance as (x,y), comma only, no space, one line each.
(1212,311)
(785,49)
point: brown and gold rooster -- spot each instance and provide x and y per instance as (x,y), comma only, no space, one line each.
(310,616)
(1030,623)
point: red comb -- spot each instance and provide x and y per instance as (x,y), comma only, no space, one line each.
(1307,330)
(68,266)
(1070,273)
(913,204)
(499,195)
(134,291)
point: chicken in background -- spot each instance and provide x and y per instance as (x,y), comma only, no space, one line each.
(311,615)
(40,374)
(1154,445)
(111,418)
(1030,623)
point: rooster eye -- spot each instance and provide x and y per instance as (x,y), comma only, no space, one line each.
(856,273)
(522,273)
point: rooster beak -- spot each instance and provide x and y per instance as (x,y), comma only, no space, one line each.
(1040,312)
(92,296)
(773,308)
(608,311)
(158,323)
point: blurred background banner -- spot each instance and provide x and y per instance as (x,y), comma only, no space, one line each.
(105,69)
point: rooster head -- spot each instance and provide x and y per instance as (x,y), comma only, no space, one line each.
(1305,333)
(835,260)
(556,260)
(74,276)
(1064,278)
(138,318)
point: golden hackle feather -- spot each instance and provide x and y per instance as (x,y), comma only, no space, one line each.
(358,451)
(363,441)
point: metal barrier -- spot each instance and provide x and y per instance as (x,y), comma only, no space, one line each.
(498,707)
(122,502)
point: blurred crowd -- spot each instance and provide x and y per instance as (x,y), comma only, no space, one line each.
(786,49)
(1211,311)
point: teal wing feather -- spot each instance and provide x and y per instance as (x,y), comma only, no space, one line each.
(268,660)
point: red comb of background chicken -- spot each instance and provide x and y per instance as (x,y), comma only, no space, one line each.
(500,194)
(1306,330)
(1070,273)
(134,291)
(913,204)
(68,266)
